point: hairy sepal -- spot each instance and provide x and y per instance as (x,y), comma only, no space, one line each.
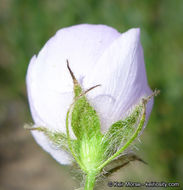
(57,138)
(121,131)
(141,108)
(85,124)
(84,120)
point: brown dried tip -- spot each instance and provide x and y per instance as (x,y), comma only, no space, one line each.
(155,93)
(31,128)
(85,92)
(72,74)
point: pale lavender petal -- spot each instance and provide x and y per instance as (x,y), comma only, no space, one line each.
(121,72)
(59,155)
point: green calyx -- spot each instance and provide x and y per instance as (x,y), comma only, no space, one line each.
(91,149)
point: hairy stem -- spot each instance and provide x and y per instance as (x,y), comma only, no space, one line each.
(90,181)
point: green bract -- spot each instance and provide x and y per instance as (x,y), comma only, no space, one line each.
(91,149)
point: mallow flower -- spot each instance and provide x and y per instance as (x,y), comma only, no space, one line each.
(89,96)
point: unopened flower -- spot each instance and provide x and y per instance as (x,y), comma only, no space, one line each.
(97,55)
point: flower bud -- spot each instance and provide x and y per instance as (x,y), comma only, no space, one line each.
(97,54)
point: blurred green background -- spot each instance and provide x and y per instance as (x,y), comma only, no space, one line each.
(26,25)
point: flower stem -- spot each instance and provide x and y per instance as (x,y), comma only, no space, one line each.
(90,181)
